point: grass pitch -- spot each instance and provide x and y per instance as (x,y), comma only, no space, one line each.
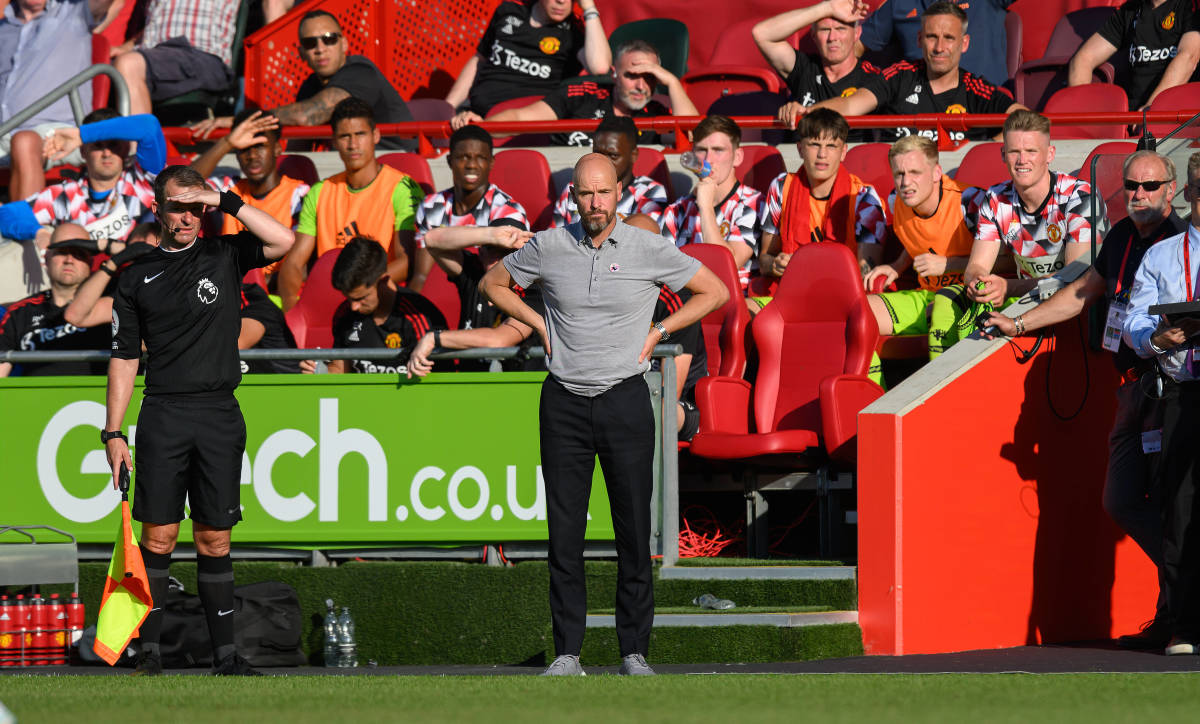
(877,699)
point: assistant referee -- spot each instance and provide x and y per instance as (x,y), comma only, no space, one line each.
(182,301)
(600,279)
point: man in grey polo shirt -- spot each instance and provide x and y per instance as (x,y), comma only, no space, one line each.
(600,280)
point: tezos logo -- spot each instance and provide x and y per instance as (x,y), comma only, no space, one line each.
(206,291)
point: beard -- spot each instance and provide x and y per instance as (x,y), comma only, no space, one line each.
(594,224)
(634,104)
(1145,214)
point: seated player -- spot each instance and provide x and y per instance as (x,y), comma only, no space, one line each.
(472,199)
(255,142)
(529,48)
(93,302)
(635,75)
(377,313)
(720,209)
(822,202)
(833,71)
(935,222)
(1161,40)
(264,327)
(1055,233)
(936,84)
(36,323)
(367,199)
(465,253)
(616,137)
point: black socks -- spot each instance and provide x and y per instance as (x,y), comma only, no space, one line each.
(214,578)
(157,569)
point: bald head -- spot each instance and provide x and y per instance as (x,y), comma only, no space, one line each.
(67,231)
(596,192)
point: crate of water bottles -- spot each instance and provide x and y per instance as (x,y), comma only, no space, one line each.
(341,648)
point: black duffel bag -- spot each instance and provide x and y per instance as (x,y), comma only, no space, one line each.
(267,627)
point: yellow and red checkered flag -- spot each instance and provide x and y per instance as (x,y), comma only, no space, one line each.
(126,601)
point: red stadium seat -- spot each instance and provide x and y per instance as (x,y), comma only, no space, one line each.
(414,165)
(869,162)
(1095,97)
(707,84)
(101,84)
(311,320)
(737,46)
(1015,43)
(1184,97)
(444,295)
(299,167)
(1109,182)
(651,162)
(1037,80)
(525,174)
(524,139)
(256,276)
(724,328)
(814,343)
(756,103)
(759,167)
(982,166)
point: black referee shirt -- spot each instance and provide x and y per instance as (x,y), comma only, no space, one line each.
(903,89)
(186,307)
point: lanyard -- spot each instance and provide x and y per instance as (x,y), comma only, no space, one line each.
(1121,273)
(1187,267)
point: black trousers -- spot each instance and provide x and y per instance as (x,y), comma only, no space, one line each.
(1181,543)
(617,427)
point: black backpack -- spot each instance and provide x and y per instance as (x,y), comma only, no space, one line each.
(267,627)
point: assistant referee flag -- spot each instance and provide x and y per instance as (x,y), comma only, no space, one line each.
(126,601)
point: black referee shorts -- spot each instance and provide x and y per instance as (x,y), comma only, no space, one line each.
(189,449)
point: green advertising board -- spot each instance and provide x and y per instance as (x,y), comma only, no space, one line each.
(331,460)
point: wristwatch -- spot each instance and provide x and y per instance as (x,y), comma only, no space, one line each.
(662,331)
(106,435)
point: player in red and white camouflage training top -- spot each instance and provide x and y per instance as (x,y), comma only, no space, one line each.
(616,137)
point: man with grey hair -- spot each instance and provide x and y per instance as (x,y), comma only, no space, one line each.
(635,74)
(600,280)
(1149,188)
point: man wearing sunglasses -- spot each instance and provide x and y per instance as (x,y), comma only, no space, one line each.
(36,323)
(1167,274)
(336,76)
(1128,493)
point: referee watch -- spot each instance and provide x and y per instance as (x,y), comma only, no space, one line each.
(665,335)
(106,435)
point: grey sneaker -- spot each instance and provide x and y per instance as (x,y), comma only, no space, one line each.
(1180,647)
(635,665)
(564,665)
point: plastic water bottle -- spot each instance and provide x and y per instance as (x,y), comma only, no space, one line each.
(331,635)
(347,647)
(711,602)
(693,163)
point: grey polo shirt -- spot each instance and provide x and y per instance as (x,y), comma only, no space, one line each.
(599,302)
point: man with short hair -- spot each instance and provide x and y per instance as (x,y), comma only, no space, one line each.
(935,222)
(936,84)
(255,142)
(335,77)
(1130,496)
(821,202)
(720,209)
(43,44)
(472,199)
(616,137)
(187,45)
(377,313)
(635,75)
(897,25)
(367,199)
(37,324)
(1055,233)
(181,301)
(834,71)
(1168,275)
(600,280)
(1161,39)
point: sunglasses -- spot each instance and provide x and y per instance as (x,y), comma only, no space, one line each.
(326,39)
(1150,186)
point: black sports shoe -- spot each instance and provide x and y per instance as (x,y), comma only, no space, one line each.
(147,665)
(234,665)
(1154,634)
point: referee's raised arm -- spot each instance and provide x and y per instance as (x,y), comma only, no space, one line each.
(276,238)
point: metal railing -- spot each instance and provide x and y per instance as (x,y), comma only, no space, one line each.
(71,88)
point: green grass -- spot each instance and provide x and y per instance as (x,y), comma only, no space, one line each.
(1017,698)
(740,609)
